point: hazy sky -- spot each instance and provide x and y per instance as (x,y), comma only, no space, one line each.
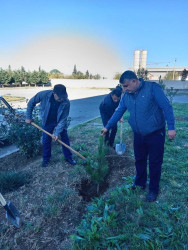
(96,35)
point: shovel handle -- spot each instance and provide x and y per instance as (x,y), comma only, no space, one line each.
(121,132)
(2,200)
(65,145)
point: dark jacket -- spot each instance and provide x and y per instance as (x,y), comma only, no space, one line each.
(108,106)
(43,98)
(148,108)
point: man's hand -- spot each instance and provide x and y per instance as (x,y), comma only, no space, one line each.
(121,120)
(55,137)
(28,121)
(104,131)
(171,134)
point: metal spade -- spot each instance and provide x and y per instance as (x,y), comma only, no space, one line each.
(12,213)
(120,148)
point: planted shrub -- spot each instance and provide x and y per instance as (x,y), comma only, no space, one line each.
(10,181)
(24,135)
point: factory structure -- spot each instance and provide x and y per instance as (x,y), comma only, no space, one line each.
(140,62)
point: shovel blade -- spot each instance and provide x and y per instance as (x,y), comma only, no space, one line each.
(13,215)
(120,148)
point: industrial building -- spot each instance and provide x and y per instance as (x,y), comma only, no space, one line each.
(140,62)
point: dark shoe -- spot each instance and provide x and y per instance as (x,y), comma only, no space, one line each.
(45,164)
(71,161)
(134,186)
(151,196)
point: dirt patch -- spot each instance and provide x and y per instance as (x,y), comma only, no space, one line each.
(88,189)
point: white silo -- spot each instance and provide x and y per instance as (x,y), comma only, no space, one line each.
(136,61)
(143,59)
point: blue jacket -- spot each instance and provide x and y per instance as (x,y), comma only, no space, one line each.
(108,106)
(148,108)
(43,98)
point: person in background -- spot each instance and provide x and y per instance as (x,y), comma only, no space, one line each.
(54,109)
(149,108)
(107,109)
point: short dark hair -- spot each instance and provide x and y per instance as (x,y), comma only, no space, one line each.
(117,92)
(60,90)
(127,75)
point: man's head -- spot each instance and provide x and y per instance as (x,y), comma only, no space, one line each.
(60,92)
(116,94)
(129,81)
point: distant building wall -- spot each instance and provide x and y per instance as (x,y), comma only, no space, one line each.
(155,72)
(87,83)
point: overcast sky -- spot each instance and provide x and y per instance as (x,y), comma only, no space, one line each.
(96,35)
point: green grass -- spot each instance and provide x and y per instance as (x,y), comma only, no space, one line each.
(123,220)
(13,98)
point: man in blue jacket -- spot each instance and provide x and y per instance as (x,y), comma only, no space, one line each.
(149,108)
(54,109)
(107,109)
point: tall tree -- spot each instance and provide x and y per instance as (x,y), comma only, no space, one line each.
(34,77)
(170,75)
(74,70)
(87,74)
(43,75)
(184,75)
(22,69)
(6,76)
(142,73)
(117,76)
(18,76)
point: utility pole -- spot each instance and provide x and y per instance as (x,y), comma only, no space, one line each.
(174,68)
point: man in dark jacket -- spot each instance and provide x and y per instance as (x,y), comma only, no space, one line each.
(54,108)
(107,109)
(149,108)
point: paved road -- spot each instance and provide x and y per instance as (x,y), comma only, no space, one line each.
(181,99)
(85,109)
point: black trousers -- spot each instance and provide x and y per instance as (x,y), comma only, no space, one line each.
(111,134)
(149,147)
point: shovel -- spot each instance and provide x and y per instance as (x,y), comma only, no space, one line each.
(120,148)
(12,213)
(65,145)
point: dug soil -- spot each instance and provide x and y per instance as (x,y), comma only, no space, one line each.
(53,203)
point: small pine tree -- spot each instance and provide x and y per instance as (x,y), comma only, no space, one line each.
(97,168)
